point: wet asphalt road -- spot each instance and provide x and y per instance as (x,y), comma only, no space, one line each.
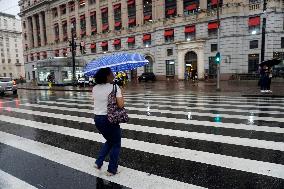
(173,140)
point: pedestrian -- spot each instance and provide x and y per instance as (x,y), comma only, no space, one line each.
(269,80)
(263,79)
(111,132)
(186,75)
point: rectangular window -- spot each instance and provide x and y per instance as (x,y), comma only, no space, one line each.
(147,10)
(170,8)
(212,4)
(64,30)
(17,55)
(131,42)
(189,32)
(253,44)
(3,61)
(93,48)
(54,12)
(147,40)
(117,16)
(9,60)
(104,46)
(213,28)
(170,52)
(83,25)
(105,26)
(214,47)
(71,5)
(11,75)
(190,6)
(169,35)
(253,62)
(17,60)
(254,24)
(56,32)
(170,67)
(93,20)
(282,42)
(81,3)
(63,9)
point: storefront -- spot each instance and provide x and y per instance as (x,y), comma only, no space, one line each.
(61,68)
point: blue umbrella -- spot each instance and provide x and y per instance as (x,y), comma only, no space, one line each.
(117,63)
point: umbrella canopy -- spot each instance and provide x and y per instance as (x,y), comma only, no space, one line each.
(117,63)
(270,63)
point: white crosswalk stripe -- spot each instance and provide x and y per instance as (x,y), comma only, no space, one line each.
(172,135)
(8,181)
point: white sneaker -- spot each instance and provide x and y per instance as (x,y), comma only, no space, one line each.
(267,91)
(262,91)
(270,91)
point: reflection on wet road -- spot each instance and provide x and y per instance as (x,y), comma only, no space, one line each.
(48,140)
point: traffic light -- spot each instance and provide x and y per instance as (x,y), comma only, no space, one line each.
(218,58)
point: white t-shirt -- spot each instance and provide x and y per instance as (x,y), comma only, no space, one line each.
(100,96)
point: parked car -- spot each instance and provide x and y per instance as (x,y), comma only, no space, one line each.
(147,77)
(7,85)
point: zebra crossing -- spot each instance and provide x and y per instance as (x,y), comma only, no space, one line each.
(171,141)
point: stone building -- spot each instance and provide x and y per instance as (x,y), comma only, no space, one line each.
(175,35)
(11,56)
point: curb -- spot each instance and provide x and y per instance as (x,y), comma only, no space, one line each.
(43,89)
(263,95)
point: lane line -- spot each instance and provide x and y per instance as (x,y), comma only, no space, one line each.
(255,143)
(241,164)
(127,177)
(8,181)
(163,119)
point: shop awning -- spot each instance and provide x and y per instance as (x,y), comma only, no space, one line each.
(105,27)
(214,2)
(82,17)
(93,13)
(191,7)
(189,29)
(254,21)
(147,17)
(131,40)
(93,46)
(104,44)
(146,37)
(171,11)
(116,42)
(169,33)
(131,21)
(117,24)
(213,25)
(117,6)
(130,2)
(104,10)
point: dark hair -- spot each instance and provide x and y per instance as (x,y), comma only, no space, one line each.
(101,75)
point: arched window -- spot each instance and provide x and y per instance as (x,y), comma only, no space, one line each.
(148,68)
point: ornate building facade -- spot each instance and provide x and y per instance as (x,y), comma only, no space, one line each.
(11,57)
(175,35)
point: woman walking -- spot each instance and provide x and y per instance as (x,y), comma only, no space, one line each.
(110,131)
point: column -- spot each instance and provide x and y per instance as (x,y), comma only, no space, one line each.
(78,28)
(88,20)
(203,4)
(110,15)
(180,7)
(41,28)
(124,14)
(139,12)
(99,19)
(159,9)
(35,31)
(181,68)
(49,27)
(200,63)
(29,34)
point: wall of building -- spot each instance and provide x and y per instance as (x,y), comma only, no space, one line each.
(234,41)
(11,50)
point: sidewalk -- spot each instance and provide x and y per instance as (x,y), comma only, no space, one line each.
(229,88)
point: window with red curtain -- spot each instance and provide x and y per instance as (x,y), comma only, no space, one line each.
(117,44)
(56,53)
(131,40)
(189,29)
(147,17)
(147,10)
(170,8)
(131,8)
(117,16)
(104,12)
(44,54)
(64,52)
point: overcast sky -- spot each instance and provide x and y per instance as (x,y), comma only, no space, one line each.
(10,7)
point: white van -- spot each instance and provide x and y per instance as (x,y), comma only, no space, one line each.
(7,85)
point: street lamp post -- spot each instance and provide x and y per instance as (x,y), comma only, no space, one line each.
(73,49)
(263,31)
(218,45)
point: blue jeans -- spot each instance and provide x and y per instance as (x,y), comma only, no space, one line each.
(112,134)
